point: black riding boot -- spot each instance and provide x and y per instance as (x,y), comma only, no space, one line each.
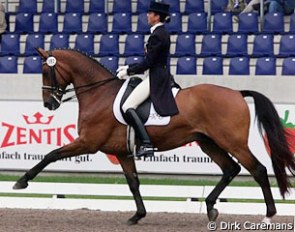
(146,147)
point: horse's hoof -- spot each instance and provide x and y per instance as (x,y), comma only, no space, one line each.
(134,220)
(266,220)
(213,214)
(20,184)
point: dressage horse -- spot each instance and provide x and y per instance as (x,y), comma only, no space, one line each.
(217,117)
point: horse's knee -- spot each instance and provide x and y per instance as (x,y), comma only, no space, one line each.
(260,174)
(133,183)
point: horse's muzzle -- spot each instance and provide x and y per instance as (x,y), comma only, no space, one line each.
(51,104)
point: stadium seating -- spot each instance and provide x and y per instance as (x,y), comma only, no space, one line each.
(110,62)
(109,45)
(288,67)
(122,23)
(48,23)
(120,6)
(263,45)
(32,64)
(134,45)
(197,23)
(222,23)
(192,6)
(248,23)
(72,23)
(287,46)
(85,43)
(211,45)
(48,6)
(185,45)
(59,41)
(96,6)
(175,25)
(8,64)
(239,66)
(97,23)
(27,6)
(133,60)
(273,23)
(218,6)
(265,66)
(10,44)
(213,66)
(24,23)
(237,45)
(186,65)
(142,6)
(33,41)
(174,5)
(74,6)
(142,24)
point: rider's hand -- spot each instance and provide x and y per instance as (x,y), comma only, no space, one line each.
(122,72)
(122,68)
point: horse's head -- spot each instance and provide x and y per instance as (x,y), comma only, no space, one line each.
(54,83)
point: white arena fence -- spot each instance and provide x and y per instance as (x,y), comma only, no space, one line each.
(192,194)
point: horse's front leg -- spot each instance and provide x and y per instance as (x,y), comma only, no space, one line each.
(78,147)
(130,172)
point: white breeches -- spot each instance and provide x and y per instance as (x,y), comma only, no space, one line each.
(138,96)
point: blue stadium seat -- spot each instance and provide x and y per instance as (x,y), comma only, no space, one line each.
(237,45)
(72,23)
(218,6)
(174,5)
(74,6)
(48,23)
(97,6)
(120,6)
(248,23)
(85,43)
(273,23)
(213,66)
(10,44)
(134,45)
(211,45)
(122,23)
(97,23)
(192,6)
(133,60)
(27,6)
(263,45)
(24,23)
(288,66)
(239,66)
(197,23)
(142,6)
(110,62)
(8,64)
(185,45)
(292,24)
(186,66)
(175,25)
(287,46)
(109,45)
(48,6)
(59,41)
(33,41)
(265,66)
(222,23)
(32,64)
(142,24)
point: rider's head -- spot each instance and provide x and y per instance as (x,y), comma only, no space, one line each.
(158,12)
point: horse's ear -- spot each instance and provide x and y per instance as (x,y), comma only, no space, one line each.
(42,53)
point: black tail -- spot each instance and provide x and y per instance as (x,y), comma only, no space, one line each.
(281,155)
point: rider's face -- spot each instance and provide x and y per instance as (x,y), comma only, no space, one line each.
(153,18)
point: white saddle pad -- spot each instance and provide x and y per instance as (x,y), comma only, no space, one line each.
(154,119)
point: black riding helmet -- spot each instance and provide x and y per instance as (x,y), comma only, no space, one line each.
(160,8)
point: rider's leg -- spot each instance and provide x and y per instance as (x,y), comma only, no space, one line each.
(138,96)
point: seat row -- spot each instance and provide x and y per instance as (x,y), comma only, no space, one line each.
(195,23)
(211,45)
(184,65)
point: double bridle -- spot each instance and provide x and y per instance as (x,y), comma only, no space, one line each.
(57,92)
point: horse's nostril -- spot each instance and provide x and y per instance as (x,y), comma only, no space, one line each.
(46,104)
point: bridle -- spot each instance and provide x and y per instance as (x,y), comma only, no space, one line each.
(57,92)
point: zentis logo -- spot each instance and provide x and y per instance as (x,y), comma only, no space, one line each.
(36,129)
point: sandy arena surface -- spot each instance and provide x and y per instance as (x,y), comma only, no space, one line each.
(16,220)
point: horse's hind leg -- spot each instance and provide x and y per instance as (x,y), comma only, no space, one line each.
(229,168)
(130,172)
(259,172)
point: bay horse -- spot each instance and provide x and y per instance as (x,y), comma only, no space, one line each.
(216,117)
